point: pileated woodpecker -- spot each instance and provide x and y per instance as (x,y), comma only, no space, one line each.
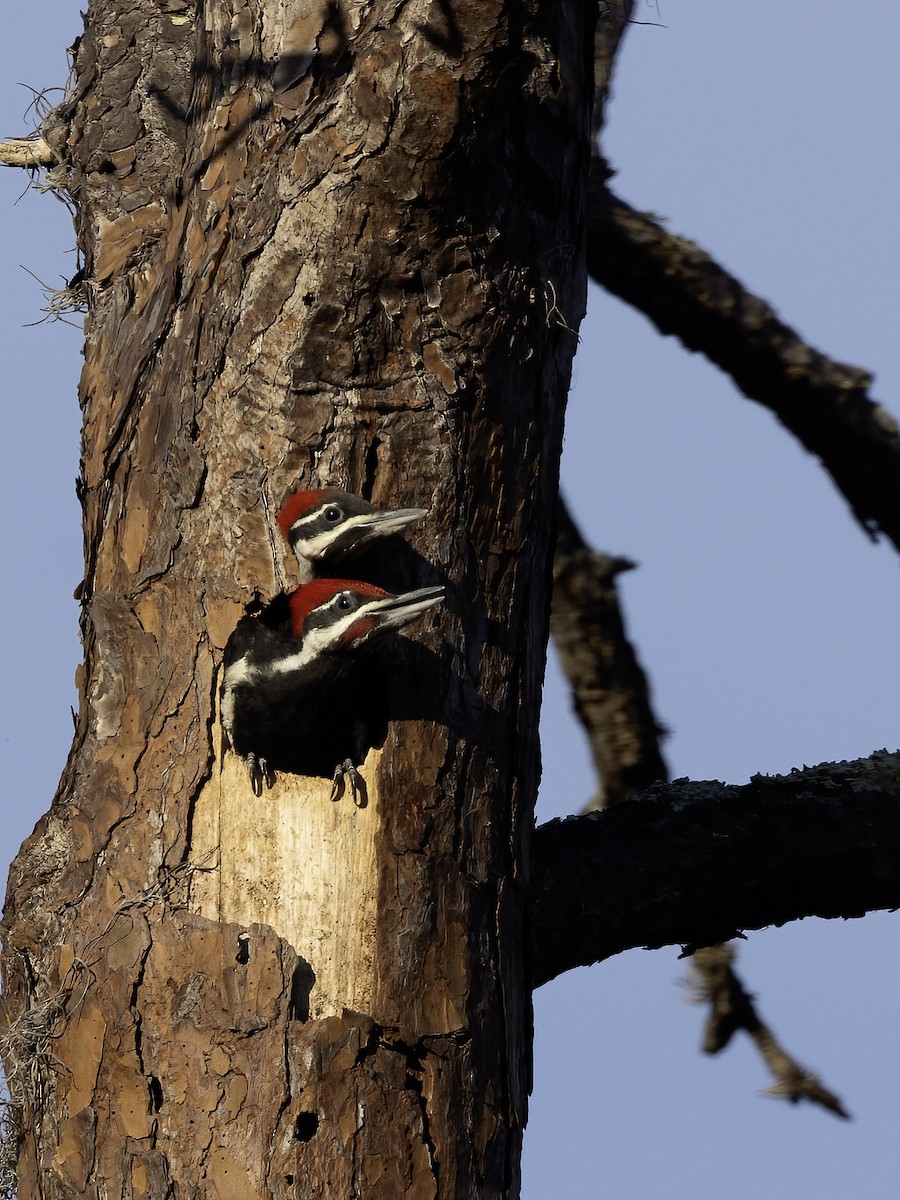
(294,695)
(330,525)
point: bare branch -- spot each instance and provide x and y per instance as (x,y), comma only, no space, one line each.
(694,863)
(609,688)
(824,403)
(29,152)
(732,1009)
(612,701)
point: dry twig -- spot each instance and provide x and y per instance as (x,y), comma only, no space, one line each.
(731,1009)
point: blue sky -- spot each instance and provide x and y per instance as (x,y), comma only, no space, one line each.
(767,620)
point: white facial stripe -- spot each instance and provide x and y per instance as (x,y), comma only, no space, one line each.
(313,642)
(243,673)
(313,515)
(319,544)
(239,672)
(379,523)
(320,639)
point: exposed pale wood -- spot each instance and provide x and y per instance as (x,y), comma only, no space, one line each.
(27,152)
(299,863)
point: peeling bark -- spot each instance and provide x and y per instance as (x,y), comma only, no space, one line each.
(321,244)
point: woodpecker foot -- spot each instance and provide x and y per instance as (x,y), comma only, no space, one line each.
(359,792)
(261,774)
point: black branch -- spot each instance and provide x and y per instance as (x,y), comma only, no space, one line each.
(733,1009)
(693,864)
(610,691)
(824,403)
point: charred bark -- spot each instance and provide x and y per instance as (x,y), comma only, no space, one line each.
(694,863)
(610,691)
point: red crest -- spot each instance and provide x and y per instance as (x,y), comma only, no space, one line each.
(320,591)
(299,503)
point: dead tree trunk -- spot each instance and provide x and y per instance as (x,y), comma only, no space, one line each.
(333,243)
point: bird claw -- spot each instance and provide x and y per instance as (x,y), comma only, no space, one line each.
(261,774)
(359,792)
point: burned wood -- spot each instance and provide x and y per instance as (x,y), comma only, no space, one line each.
(693,864)
(732,1009)
(610,691)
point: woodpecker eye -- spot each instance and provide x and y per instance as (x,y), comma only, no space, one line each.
(346,602)
(333,514)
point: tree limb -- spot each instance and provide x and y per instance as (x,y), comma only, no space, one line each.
(612,700)
(610,691)
(27,152)
(732,1009)
(694,863)
(822,402)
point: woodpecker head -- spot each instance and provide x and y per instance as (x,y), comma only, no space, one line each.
(328,523)
(339,616)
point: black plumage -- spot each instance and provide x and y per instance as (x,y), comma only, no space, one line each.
(301,690)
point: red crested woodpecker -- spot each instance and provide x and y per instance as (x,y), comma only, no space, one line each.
(328,525)
(291,695)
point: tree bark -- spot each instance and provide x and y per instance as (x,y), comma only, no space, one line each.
(695,863)
(321,244)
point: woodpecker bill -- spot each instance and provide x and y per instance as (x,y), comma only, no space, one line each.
(328,525)
(295,696)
